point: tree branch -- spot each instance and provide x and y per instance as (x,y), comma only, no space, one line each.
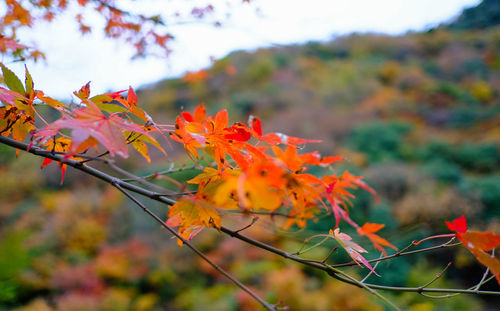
(330,269)
(233,279)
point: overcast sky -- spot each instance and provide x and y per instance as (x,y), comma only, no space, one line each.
(73,60)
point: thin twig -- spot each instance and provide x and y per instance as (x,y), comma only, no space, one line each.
(141,181)
(252,212)
(302,250)
(329,255)
(400,253)
(96,158)
(254,220)
(369,289)
(456,294)
(481,282)
(436,277)
(482,279)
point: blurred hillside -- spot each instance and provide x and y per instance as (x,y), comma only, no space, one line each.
(418,115)
(423,108)
(486,14)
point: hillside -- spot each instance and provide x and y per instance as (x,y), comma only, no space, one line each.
(484,15)
(418,115)
(426,105)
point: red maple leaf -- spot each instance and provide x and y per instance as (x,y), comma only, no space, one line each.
(478,243)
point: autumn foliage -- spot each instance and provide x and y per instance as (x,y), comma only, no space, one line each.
(253,172)
(249,172)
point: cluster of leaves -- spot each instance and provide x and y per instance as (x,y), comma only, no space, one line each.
(247,178)
(250,179)
(111,125)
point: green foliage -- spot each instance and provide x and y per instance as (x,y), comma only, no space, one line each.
(479,157)
(218,297)
(325,52)
(14,258)
(487,190)
(443,170)
(380,141)
(259,71)
(469,156)
(11,80)
(486,14)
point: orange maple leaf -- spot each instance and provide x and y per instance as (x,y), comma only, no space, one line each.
(369,230)
(192,216)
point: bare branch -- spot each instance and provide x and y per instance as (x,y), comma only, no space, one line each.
(436,277)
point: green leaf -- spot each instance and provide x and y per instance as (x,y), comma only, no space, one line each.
(28,81)
(11,80)
(112,108)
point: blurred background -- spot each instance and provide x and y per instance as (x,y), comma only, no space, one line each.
(416,113)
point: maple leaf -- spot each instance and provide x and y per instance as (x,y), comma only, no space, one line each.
(239,132)
(255,125)
(60,144)
(296,162)
(11,80)
(50,101)
(115,102)
(280,138)
(89,126)
(261,186)
(337,193)
(192,216)
(369,229)
(226,195)
(10,44)
(84,92)
(478,243)
(275,138)
(142,148)
(353,249)
(191,141)
(208,174)
(22,127)
(197,130)
(9,97)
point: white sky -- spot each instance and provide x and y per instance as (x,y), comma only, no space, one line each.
(73,60)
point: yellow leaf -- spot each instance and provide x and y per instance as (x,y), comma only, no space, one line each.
(142,148)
